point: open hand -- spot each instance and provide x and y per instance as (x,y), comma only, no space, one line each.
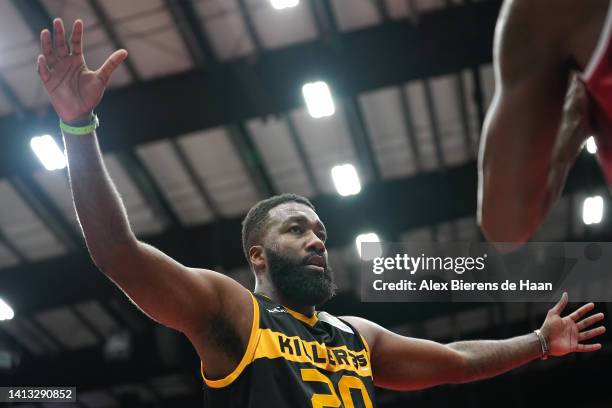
(567,334)
(74,90)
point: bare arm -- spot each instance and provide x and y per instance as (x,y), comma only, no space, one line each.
(525,153)
(167,291)
(404,363)
(180,297)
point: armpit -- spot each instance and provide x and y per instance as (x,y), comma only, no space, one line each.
(224,336)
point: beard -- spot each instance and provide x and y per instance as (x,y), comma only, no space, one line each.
(296,283)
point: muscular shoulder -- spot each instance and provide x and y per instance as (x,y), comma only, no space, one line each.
(233,300)
(222,336)
(369,330)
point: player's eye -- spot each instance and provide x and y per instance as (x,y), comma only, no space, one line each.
(296,229)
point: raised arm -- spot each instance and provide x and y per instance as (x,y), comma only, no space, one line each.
(183,298)
(404,363)
(525,153)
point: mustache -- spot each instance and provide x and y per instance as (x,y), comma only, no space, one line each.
(306,260)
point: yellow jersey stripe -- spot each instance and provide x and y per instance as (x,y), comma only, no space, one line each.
(311,321)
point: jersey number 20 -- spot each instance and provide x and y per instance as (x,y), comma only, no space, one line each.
(344,386)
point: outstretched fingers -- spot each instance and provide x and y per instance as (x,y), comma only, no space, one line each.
(43,71)
(46,46)
(110,65)
(577,314)
(587,348)
(76,41)
(589,321)
(589,334)
(581,325)
(59,38)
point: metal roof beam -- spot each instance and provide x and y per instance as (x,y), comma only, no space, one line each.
(410,128)
(478,94)
(382,10)
(433,121)
(190,28)
(301,151)
(34,14)
(466,128)
(145,183)
(46,210)
(10,95)
(109,29)
(250,25)
(252,159)
(362,140)
(396,52)
(195,179)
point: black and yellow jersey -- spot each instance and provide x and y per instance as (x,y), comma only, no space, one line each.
(296,361)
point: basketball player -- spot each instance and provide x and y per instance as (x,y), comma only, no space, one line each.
(269,347)
(530,140)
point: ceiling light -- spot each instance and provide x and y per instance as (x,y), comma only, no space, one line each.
(346,179)
(592,210)
(6,312)
(591,146)
(318,99)
(283,4)
(48,152)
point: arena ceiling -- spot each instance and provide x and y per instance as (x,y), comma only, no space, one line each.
(204,119)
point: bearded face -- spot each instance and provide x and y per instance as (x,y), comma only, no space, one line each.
(302,281)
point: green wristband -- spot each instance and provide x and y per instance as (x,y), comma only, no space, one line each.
(81,130)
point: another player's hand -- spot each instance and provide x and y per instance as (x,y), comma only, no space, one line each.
(74,89)
(567,334)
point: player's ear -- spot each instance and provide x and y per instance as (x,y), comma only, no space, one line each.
(257,258)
